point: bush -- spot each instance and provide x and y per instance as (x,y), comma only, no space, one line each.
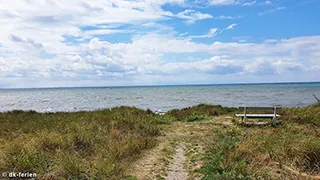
(201,110)
(193,118)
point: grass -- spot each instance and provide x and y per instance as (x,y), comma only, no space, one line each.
(200,110)
(102,144)
(303,115)
(193,118)
(79,145)
(244,152)
(217,165)
(296,146)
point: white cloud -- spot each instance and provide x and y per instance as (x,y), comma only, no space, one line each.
(35,49)
(144,56)
(191,15)
(268,2)
(212,32)
(231,2)
(270,41)
(231,26)
(50,22)
(213,65)
(316,68)
(183,34)
(249,3)
(91,33)
(224,2)
(271,11)
(236,2)
(222,17)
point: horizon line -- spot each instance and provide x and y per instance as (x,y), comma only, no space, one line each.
(166,85)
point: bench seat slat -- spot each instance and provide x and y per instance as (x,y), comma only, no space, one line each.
(258,115)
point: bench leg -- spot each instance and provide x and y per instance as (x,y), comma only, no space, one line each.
(244,119)
(274,121)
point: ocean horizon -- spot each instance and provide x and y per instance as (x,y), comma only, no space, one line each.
(162,85)
(158,97)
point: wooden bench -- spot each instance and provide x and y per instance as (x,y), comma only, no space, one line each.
(245,115)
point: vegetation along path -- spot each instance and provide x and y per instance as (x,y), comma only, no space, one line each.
(178,152)
(201,142)
(218,147)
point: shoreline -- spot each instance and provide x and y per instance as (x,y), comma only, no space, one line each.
(154,110)
(144,109)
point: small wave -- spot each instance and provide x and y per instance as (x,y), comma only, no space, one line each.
(160,112)
(45,110)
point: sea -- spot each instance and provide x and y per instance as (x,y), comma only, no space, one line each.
(158,98)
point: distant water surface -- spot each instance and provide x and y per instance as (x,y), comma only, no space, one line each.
(158,97)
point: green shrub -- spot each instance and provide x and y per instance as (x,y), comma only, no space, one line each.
(193,118)
(162,119)
(201,109)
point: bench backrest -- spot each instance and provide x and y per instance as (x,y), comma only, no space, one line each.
(260,108)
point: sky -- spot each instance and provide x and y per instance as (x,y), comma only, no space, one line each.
(59,43)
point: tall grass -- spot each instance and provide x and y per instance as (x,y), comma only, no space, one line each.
(83,145)
(242,152)
(216,161)
(303,115)
(101,144)
(78,145)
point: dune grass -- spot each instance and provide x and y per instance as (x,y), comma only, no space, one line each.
(282,152)
(101,144)
(84,145)
(200,110)
(78,145)
(303,115)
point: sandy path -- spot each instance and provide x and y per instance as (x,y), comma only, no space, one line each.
(177,154)
(150,165)
(180,151)
(176,170)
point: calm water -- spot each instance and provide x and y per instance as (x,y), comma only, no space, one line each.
(158,98)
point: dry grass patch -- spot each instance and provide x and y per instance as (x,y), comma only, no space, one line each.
(289,151)
(79,145)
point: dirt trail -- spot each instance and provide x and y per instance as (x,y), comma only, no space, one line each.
(177,154)
(150,166)
(176,169)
